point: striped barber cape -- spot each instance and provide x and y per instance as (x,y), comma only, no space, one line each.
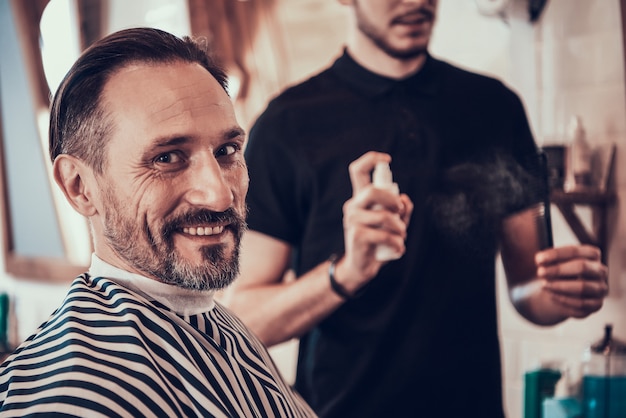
(110,352)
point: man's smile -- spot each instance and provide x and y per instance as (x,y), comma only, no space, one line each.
(203,230)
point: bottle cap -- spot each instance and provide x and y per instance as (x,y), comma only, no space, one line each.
(382,177)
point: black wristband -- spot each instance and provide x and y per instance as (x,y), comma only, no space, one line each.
(337,288)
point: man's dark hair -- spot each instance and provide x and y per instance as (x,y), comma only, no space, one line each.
(78,122)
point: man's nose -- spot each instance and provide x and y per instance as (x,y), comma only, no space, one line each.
(208,187)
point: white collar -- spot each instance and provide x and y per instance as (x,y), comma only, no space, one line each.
(184,302)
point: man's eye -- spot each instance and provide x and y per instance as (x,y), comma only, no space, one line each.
(228,150)
(168,158)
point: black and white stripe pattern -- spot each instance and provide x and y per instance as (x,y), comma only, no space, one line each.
(109,352)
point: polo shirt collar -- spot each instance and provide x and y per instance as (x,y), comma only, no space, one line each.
(425,81)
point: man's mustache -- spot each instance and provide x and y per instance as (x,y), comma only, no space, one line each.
(229,218)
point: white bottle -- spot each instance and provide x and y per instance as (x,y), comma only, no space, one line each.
(580,156)
(383,179)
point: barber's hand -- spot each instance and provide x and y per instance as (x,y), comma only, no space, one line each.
(365,227)
(576,278)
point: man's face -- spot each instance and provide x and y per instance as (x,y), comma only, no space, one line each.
(172,195)
(401,28)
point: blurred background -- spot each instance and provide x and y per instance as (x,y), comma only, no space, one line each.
(564,58)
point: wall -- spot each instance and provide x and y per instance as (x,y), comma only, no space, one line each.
(573,65)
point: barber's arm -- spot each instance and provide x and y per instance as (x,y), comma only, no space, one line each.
(551,285)
(277,309)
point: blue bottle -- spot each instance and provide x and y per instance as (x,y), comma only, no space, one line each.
(604,378)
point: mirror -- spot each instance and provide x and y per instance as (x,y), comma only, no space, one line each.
(35,244)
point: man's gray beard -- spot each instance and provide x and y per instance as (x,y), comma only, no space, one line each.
(156,255)
(218,272)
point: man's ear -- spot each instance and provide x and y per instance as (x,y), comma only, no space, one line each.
(75,179)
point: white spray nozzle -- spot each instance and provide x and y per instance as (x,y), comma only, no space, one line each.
(382,177)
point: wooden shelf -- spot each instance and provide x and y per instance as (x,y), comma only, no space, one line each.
(582,197)
(599,201)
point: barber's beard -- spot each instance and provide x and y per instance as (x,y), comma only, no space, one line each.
(378,37)
(151,248)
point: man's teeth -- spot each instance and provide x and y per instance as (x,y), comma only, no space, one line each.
(206,230)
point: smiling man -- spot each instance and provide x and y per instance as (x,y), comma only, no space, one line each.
(145,145)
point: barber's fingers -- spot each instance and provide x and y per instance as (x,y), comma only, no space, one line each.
(579,289)
(577,308)
(584,268)
(362,236)
(371,198)
(367,196)
(365,228)
(407,209)
(359,258)
(365,239)
(561,254)
(355,215)
(575,277)
(361,169)
(578,298)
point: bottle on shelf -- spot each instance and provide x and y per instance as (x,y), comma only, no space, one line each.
(579,175)
(604,377)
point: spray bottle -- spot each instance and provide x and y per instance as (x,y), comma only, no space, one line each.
(383,179)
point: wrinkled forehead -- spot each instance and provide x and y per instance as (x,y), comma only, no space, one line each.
(146,84)
(164,91)
(160,100)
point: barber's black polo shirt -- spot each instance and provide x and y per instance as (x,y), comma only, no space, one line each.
(422,340)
